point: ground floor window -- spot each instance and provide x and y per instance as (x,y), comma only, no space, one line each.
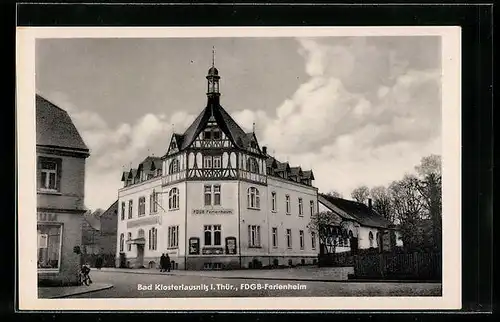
(49,246)
(173,236)
(212,235)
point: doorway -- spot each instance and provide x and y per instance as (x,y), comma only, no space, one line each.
(140,256)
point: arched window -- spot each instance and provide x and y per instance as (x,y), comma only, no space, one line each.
(370,238)
(122,242)
(173,199)
(252,165)
(253,198)
(174,166)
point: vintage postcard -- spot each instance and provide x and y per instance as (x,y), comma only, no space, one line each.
(219,168)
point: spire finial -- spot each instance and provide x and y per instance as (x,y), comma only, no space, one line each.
(213,56)
(173,128)
(253,127)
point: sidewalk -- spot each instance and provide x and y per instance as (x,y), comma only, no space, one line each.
(315,274)
(58,292)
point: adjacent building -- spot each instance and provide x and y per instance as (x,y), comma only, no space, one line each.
(216,200)
(99,235)
(60,157)
(362,224)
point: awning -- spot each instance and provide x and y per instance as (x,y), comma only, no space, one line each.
(137,241)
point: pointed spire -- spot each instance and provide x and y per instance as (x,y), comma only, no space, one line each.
(213,56)
(253,127)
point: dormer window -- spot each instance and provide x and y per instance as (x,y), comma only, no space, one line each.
(207,135)
(252,165)
(174,166)
(253,144)
(216,135)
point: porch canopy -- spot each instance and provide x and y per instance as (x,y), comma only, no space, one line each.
(136,241)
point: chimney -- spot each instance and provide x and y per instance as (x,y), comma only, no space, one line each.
(370,203)
(264,150)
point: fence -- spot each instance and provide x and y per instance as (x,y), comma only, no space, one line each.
(420,266)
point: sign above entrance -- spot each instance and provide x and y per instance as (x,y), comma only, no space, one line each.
(212,211)
(46,216)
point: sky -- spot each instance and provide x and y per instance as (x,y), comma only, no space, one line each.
(355,110)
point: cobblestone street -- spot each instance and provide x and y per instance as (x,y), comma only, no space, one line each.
(136,285)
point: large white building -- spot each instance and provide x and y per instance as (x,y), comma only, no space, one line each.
(216,200)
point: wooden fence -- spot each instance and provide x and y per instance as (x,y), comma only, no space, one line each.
(418,265)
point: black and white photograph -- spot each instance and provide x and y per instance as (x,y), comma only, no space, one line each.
(240,165)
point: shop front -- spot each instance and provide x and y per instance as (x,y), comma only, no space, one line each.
(58,242)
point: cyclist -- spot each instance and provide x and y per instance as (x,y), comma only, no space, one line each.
(85,273)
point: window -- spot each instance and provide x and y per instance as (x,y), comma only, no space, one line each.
(153,238)
(49,246)
(253,236)
(217,195)
(130,208)
(275,237)
(217,162)
(154,201)
(273,201)
(216,198)
(252,165)
(287,200)
(212,235)
(313,240)
(173,236)
(289,238)
(207,135)
(301,207)
(129,246)
(208,195)
(123,211)
(370,238)
(142,206)
(253,198)
(216,135)
(173,199)
(174,166)
(49,173)
(122,242)
(207,162)
(311,207)
(301,239)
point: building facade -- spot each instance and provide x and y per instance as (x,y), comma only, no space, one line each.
(361,223)
(99,235)
(216,200)
(61,155)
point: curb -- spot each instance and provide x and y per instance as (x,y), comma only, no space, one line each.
(107,287)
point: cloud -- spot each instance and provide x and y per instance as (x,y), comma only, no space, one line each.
(115,148)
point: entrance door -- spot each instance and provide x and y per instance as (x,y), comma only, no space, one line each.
(140,256)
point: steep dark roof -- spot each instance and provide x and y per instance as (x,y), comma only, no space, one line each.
(113,209)
(234,132)
(295,171)
(124,175)
(308,174)
(54,127)
(355,211)
(151,163)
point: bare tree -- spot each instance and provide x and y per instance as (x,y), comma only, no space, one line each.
(360,194)
(335,194)
(382,202)
(407,205)
(326,226)
(429,171)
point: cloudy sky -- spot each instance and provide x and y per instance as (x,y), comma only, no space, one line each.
(357,110)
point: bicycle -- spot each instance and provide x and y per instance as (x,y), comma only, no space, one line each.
(84,277)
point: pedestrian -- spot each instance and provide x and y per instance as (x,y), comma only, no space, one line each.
(167,263)
(162,262)
(98,262)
